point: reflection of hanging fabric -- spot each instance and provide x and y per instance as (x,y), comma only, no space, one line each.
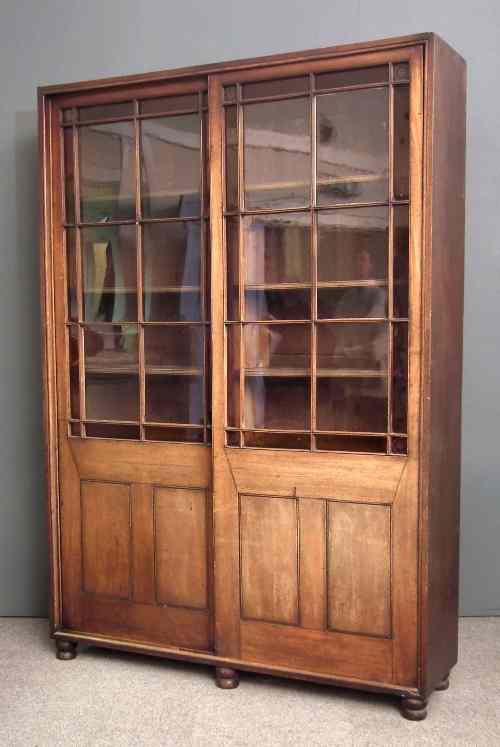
(294,254)
(189,305)
(256,343)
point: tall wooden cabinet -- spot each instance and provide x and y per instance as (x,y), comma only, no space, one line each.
(252,294)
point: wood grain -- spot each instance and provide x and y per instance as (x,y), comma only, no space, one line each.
(312,564)
(330,653)
(181,547)
(143,570)
(269,572)
(359,572)
(106,540)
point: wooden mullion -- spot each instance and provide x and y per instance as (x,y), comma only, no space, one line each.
(79,277)
(241,252)
(139,277)
(313,267)
(390,256)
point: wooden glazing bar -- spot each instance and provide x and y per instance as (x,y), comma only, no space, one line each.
(269,99)
(241,250)
(104,120)
(352,87)
(79,276)
(390,252)
(313,261)
(139,278)
(159,424)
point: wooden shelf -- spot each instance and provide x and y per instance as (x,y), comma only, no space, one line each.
(331,373)
(322,181)
(320,284)
(160,289)
(174,371)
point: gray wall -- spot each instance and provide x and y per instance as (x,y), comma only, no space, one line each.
(65,40)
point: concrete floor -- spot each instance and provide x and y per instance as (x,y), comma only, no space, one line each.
(113,698)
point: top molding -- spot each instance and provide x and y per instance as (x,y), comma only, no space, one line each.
(243,64)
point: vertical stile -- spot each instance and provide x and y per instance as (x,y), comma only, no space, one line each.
(203,243)
(314,265)
(140,300)
(241,252)
(390,256)
(79,273)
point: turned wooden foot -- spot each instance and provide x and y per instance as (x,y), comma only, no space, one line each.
(65,649)
(444,684)
(414,708)
(226,678)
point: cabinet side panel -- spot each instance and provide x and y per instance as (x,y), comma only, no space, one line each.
(443,300)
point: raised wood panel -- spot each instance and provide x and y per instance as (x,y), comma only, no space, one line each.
(135,461)
(106,538)
(312,563)
(340,476)
(329,653)
(143,579)
(181,547)
(269,572)
(359,567)
(168,625)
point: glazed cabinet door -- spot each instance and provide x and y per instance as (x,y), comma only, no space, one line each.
(130,245)
(316,200)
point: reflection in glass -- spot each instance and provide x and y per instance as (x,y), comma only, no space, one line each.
(399,445)
(174,347)
(401,142)
(277,440)
(107,171)
(277,402)
(262,305)
(352,146)
(174,399)
(169,104)
(355,349)
(275,87)
(108,430)
(109,258)
(401,71)
(171,271)
(69,175)
(111,348)
(360,76)
(71,263)
(277,248)
(277,154)
(74,375)
(369,444)
(233,438)
(233,375)
(111,396)
(155,433)
(106,111)
(352,244)
(354,302)
(171,166)
(401,261)
(279,348)
(233,264)
(399,377)
(352,404)
(231,163)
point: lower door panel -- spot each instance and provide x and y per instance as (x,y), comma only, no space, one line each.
(136,550)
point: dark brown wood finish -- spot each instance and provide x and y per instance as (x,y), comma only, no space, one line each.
(444,219)
(331,567)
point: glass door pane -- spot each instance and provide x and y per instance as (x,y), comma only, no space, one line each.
(137,268)
(317,251)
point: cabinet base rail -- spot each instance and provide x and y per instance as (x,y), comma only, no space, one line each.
(413,703)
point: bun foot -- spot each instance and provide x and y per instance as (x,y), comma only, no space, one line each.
(414,708)
(65,649)
(226,678)
(444,684)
